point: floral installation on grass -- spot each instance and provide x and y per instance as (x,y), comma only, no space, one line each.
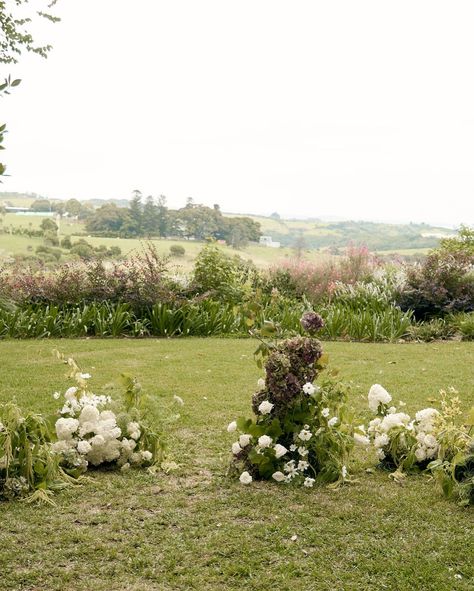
(94,431)
(432,441)
(301,432)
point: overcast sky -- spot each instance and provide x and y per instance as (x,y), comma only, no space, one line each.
(355,109)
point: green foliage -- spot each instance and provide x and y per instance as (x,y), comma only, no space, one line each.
(28,466)
(217,274)
(16,37)
(444,283)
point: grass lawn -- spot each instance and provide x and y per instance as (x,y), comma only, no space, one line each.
(195,528)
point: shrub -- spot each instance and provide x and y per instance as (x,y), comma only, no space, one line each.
(177,250)
(444,283)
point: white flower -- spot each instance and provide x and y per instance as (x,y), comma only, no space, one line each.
(85,376)
(391,410)
(308,388)
(244,439)
(378,395)
(231,427)
(265,407)
(362,440)
(56,395)
(147,455)
(420,454)
(261,384)
(302,465)
(308,482)
(278,476)
(397,419)
(325,412)
(303,451)
(178,399)
(332,421)
(293,447)
(280,450)
(430,441)
(66,427)
(344,472)
(236,449)
(381,440)
(264,441)
(245,478)
(70,393)
(97,441)
(84,447)
(89,414)
(380,454)
(133,429)
(62,446)
(125,467)
(305,435)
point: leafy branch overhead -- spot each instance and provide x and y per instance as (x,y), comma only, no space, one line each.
(16,28)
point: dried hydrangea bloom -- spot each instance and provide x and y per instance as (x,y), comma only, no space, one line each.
(311,322)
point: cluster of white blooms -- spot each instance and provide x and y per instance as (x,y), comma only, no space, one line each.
(425,428)
(381,429)
(90,434)
(378,395)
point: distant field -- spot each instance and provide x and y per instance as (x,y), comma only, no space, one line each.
(262,256)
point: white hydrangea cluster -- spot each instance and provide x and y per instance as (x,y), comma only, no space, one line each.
(378,395)
(382,428)
(425,427)
(89,433)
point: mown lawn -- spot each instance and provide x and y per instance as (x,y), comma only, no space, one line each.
(196,529)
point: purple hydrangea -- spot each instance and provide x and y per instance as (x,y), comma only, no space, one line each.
(311,322)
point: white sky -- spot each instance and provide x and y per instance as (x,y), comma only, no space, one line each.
(356,109)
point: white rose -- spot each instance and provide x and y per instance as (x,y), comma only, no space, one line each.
(265,407)
(278,476)
(308,388)
(280,450)
(244,439)
(264,441)
(231,427)
(236,449)
(245,478)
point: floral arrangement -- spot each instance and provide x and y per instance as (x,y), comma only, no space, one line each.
(431,441)
(300,433)
(401,443)
(90,433)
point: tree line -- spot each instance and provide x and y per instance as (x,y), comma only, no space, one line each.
(151,217)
